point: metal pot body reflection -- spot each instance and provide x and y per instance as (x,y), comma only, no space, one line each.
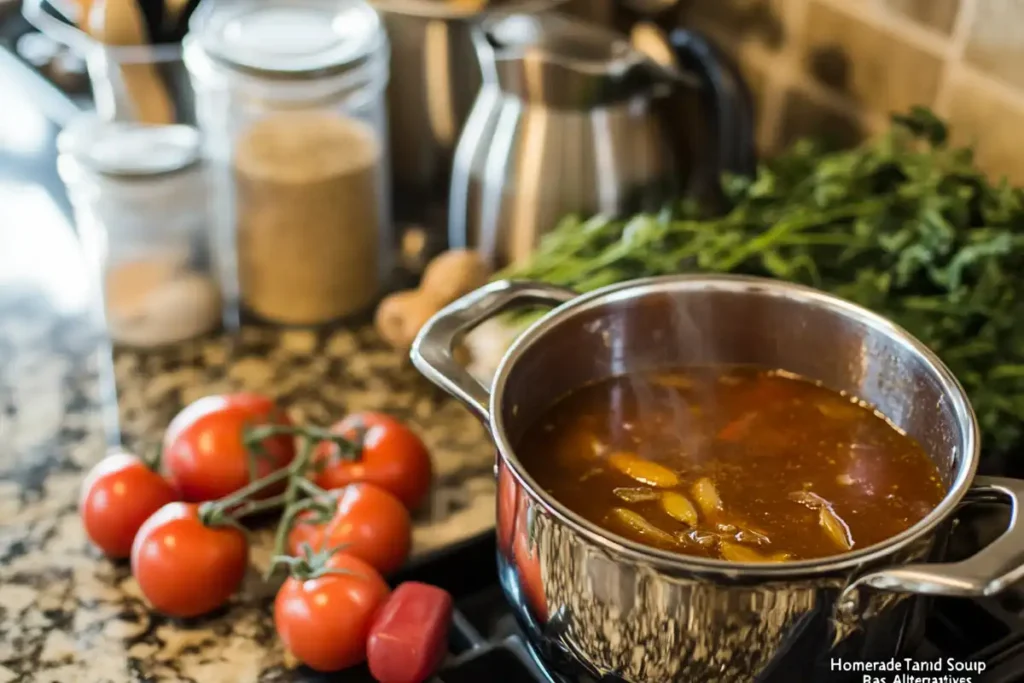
(596,603)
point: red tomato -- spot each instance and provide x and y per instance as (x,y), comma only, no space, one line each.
(204,454)
(372,525)
(527,559)
(506,514)
(325,621)
(185,568)
(391,456)
(118,495)
(409,638)
(305,530)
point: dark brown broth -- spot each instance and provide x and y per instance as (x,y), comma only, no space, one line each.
(790,462)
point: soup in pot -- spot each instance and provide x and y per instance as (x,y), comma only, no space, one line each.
(731,463)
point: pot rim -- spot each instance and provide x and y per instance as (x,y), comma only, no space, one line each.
(663,559)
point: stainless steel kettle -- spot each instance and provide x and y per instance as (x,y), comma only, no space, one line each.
(434,80)
(572,119)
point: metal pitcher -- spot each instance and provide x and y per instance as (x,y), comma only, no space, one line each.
(571,118)
(435,78)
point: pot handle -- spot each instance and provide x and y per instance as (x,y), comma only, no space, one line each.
(433,353)
(987,572)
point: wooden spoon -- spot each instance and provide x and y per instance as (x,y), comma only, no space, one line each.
(120,23)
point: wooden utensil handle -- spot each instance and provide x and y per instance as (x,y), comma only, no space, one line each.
(121,23)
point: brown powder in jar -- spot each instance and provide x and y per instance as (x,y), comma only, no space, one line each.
(308,217)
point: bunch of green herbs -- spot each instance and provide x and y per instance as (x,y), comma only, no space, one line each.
(905,225)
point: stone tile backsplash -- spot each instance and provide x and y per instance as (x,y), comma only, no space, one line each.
(837,68)
(867,63)
(995,42)
(938,15)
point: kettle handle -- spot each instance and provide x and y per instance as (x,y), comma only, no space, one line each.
(726,102)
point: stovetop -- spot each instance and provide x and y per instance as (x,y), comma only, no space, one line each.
(486,643)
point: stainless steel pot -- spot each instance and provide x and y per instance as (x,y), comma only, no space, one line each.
(594,602)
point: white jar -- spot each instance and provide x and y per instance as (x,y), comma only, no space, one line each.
(139,195)
(290,101)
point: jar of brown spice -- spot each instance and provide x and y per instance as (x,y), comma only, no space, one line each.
(290,99)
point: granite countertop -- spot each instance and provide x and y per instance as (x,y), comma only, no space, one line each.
(67,614)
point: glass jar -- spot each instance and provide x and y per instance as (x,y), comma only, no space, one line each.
(290,101)
(139,195)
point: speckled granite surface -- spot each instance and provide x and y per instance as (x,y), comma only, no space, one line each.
(66,614)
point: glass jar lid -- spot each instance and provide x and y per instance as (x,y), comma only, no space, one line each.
(461,9)
(130,150)
(289,38)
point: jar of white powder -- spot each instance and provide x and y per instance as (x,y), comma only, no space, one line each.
(139,195)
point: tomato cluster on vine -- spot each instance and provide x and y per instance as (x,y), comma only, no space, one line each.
(344,496)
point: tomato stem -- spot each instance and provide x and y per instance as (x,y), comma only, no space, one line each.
(252,507)
(243,494)
(255,435)
(284,527)
(312,489)
(294,472)
(297,474)
(229,509)
(211,514)
(311,564)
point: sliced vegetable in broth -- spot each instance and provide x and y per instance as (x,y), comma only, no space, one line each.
(636,495)
(707,496)
(678,507)
(643,471)
(638,525)
(731,463)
